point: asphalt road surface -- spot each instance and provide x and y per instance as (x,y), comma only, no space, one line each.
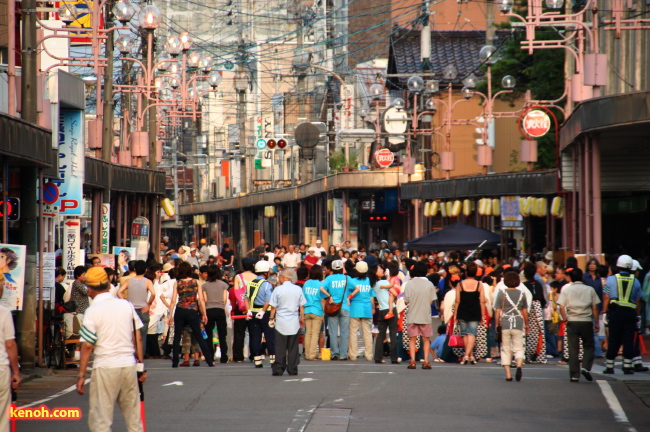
(363,396)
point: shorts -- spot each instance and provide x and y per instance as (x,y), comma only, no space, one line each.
(468,327)
(424,330)
(189,344)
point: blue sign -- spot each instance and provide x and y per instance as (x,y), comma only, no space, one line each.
(72,161)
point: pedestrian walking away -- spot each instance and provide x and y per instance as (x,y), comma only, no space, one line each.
(110,329)
(287,317)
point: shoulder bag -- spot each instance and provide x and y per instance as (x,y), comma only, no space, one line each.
(455,339)
(498,337)
(333,309)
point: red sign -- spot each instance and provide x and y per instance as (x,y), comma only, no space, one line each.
(536,123)
(384,158)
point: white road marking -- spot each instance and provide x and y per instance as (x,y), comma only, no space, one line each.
(614,404)
(176,383)
(59,394)
(379,372)
(301,380)
(301,419)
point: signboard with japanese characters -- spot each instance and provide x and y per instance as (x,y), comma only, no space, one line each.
(71,247)
(140,237)
(49,277)
(71,163)
(12,275)
(106,214)
(536,123)
(511,218)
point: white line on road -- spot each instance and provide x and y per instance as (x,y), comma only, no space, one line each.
(301,419)
(176,383)
(61,393)
(379,372)
(615,405)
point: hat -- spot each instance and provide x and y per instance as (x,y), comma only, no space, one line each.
(441,254)
(176,256)
(337,265)
(625,262)
(362,267)
(192,249)
(478,263)
(548,256)
(96,276)
(262,266)
(318,241)
(636,265)
(203,241)
(384,241)
(167,267)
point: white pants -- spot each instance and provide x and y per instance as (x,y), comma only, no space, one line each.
(5,397)
(110,385)
(512,343)
(353,350)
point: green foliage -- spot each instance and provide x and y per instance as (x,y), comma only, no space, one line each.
(337,161)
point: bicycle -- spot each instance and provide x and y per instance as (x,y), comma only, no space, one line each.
(54,343)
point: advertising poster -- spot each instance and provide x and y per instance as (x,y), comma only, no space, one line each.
(107,260)
(124,255)
(71,162)
(12,275)
(511,219)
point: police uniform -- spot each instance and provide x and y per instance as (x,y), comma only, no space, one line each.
(623,290)
(259,292)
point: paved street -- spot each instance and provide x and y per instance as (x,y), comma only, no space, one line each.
(362,396)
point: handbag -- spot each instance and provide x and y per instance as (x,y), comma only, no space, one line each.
(456,340)
(498,337)
(333,309)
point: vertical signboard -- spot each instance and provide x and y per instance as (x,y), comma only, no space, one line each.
(71,162)
(511,219)
(106,214)
(140,237)
(49,277)
(71,247)
(12,275)
(337,222)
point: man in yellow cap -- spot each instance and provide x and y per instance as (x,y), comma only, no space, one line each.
(109,329)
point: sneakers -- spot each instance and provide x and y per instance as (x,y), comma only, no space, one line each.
(426,365)
(609,371)
(575,379)
(196,363)
(411,365)
(640,368)
(587,374)
(628,371)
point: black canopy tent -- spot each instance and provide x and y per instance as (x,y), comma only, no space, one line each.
(457,236)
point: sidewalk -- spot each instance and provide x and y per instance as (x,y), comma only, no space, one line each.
(39,384)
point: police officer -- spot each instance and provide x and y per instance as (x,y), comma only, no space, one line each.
(258,295)
(621,304)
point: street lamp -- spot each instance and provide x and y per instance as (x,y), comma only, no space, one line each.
(123,11)
(124,44)
(150,17)
(505,5)
(415,84)
(68,13)
(554,4)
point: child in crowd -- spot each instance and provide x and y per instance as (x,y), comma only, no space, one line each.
(394,290)
(438,343)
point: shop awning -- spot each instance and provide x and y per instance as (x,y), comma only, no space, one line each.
(458,236)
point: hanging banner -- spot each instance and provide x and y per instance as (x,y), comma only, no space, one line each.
(71,163)
(72,256)
(106,214)
(12,275)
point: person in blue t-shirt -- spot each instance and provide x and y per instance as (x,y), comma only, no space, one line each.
(360,302)
(438,343)
(335,286)
(315,295)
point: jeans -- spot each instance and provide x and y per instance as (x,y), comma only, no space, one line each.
(379,342)
(551,341)
(145,318)
(340,323)
(577,330)
(467,327)
(218,316)
(183,317)
(598,349)
(313,325)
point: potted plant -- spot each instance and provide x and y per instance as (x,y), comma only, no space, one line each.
(337,161)
(353,162)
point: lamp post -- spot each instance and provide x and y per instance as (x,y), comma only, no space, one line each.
(241,85)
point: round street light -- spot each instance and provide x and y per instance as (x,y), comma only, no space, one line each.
(376,91)
(470,81)
(206,64)
(175,81)
(214,79)
(554,4)
(363,112)
(124,44)
(450,72)
(431,87)
(193,59)
(432,105)
(508,82)
(174,46)
(68,13)
(399,103)
(161,64)
(123,11)
(186,40)
(150,17)
(488,55)
(467,93)
(505,6)
(415,84)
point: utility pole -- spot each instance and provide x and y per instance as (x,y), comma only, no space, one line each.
(109,108)
(29,180)
(302,111)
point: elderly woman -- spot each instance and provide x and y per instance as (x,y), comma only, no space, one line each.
(511,314)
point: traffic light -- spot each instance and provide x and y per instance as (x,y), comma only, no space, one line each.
(271,143)
(13,209)
(377,218)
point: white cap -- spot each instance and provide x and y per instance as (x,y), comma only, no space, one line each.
(362,267)
(318,241)
(478,263)
(624,261)
(441,254)
(337,265)
(262,266)
(636,265)
(548,256)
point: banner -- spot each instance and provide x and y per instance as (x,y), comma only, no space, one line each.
(12,275)
(71,162)
(511,219)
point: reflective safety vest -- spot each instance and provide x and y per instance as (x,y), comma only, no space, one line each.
(623,293)
(253,289)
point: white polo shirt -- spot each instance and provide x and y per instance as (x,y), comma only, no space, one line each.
(6,333)
(291,260)
(108,325)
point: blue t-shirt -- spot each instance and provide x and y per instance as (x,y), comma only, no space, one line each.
(438,343)
(361,303)
(382,294)
(611,288)
(335,284)
(314,295)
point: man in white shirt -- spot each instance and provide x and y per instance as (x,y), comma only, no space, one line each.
(193,259)
(9,373)
(319,248)
(287,314)
(109,328)
(292,258)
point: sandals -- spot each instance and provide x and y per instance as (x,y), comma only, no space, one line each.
(472,360)
(411,365)
(465,360)
(185,364)
(426,365)
(197,363)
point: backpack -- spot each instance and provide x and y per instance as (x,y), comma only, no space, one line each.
(240,294)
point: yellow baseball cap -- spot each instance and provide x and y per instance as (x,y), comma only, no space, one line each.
(96,276)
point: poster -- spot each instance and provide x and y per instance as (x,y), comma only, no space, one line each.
(106,225)
(71,163)
(12,275)
(107,260)
(511,219)
(124,255)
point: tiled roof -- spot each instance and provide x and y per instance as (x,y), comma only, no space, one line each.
(460,48)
